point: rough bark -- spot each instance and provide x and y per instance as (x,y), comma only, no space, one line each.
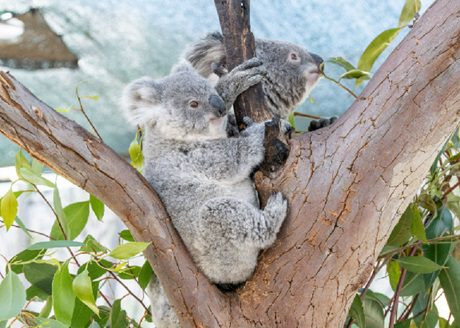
(346,186)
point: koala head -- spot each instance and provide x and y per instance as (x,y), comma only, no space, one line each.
(292,72)
(182,106)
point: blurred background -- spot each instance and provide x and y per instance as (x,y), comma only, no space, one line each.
(99,46)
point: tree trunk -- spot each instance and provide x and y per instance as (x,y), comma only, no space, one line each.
(346,185)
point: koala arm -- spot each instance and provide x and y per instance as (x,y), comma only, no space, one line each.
(231,85)
(229,158)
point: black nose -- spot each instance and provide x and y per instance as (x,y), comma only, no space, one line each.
(217,103)
(317,59)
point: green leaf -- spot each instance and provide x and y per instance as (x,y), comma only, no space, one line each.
(23,227)
(342,62)
(373,313)
(376,47)
(92,245)
(450,283)
(357,312)
(95,270)
(104,316)
(118,317)
(40,275)
(37,167)
(413,284)
(21,161)
(46,309)
(355,74)
(48,323)
(126,235)
(402,231)
(81,315)
(9,208)
(411,7)
(27,255)
(97,206)
(135,154)
(74,221)
(145,275)
(431,319)
(394,273)
(54,244)
(128,250)
(417,228)
(12,296)
(291,119)
(83,289)
(441,224)
(382,299)
(34,178)
(438,253)
(63,295)
(418,264)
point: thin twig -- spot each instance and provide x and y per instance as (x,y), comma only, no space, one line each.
(86,116)
(314,117)
(340,85)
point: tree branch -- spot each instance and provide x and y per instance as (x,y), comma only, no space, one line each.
(346,184)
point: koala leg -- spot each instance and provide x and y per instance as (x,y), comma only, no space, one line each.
(241,222)
(163,314)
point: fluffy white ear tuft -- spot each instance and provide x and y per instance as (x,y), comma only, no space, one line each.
(139,100)
(182,66)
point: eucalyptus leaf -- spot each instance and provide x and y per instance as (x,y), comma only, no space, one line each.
(40,275)
(342,62)
(9,208)
(418,264)
(118,317)
(12,296)
(63,295)
(376,47)
(55,244)
(128,250)
(33,177)
(450,283)
(355,74)
(83,289)
(357,312)
(394,273)
(373,313)
(74,221)
(97,206)
(411,7)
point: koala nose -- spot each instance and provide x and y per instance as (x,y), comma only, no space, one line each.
(317,59)
(218,104)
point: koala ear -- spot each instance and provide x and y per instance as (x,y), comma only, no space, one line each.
(139,100)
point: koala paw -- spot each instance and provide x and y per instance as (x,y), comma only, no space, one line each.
(318,124)
(286,128)
(248,64)
(276,209)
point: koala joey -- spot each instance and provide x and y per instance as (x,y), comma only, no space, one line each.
(292,71)
(202,176)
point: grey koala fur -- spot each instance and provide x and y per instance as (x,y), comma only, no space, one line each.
(292,71)
(202,176)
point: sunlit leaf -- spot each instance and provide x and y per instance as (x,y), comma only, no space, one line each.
(9,208)
(92,245)
(342,62)
(46,309)
(63,295)
(74,221)
(33,177)
(376,47)
(402,231)
(21,161)
(411,7)
(83,289)
(355,74)
(394,273)
(128,250)
(418,264)
(17,262)
(12,296)
(97,206)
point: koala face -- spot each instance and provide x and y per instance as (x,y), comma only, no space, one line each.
(292,73)
(182,105)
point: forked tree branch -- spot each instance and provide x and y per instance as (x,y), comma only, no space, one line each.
(346,186)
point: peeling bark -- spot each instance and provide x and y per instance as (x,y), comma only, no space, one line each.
(346,185)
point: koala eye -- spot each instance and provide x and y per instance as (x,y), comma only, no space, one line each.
(193,104)
(294,57)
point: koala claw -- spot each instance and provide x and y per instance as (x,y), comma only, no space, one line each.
(318,124)
(248,64)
